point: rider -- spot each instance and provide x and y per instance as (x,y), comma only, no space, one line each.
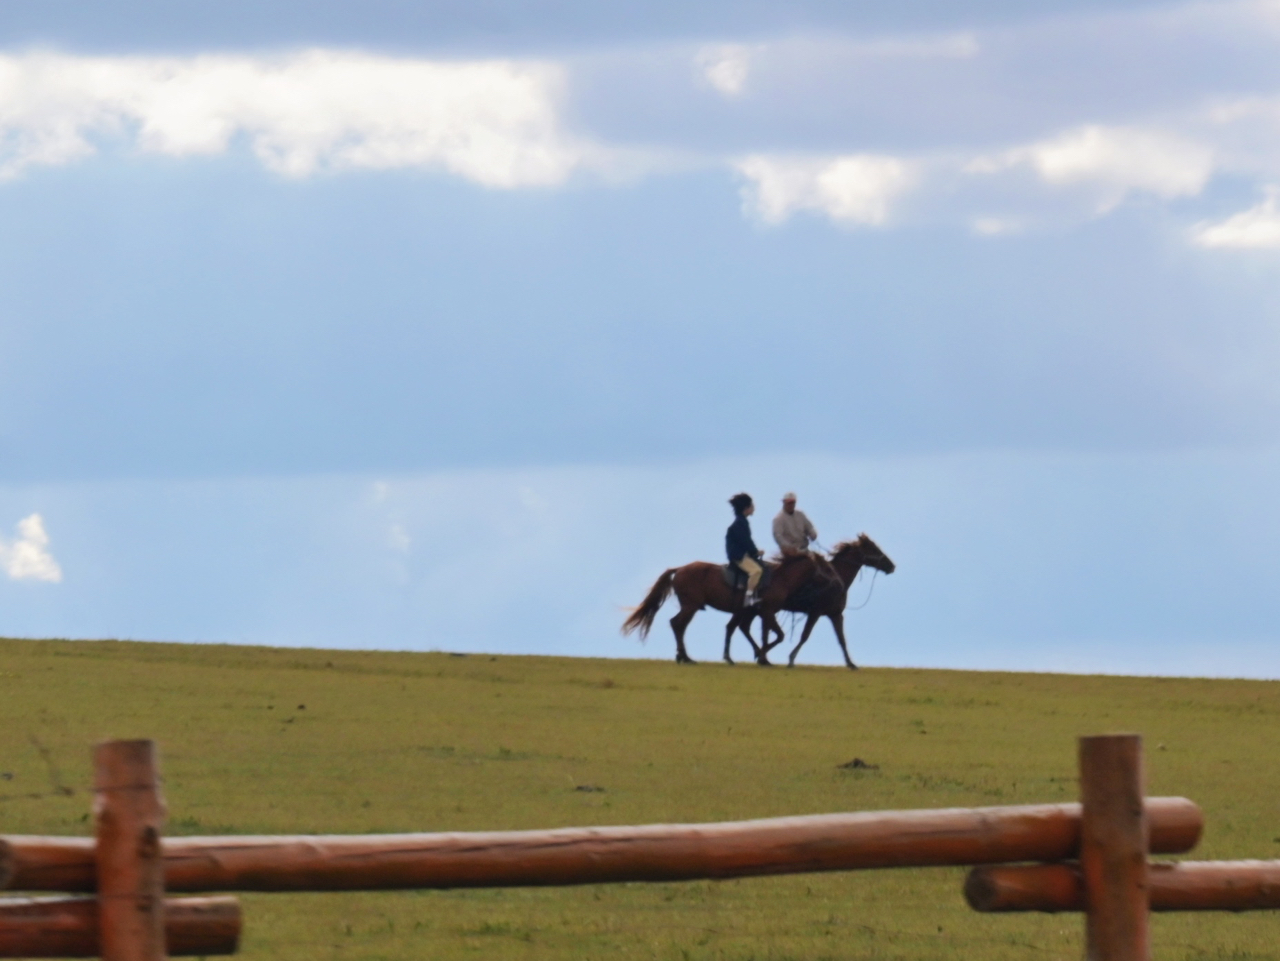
(738,544)
(791,529)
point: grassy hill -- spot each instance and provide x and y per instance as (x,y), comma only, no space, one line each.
(258,740)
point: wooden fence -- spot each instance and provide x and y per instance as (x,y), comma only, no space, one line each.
(1091,857)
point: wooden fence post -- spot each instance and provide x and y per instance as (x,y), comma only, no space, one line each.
(1113,848)
(129,814)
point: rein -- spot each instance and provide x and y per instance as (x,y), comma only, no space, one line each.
(870,589)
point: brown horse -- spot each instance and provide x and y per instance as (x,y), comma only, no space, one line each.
(848,558)
(701,584)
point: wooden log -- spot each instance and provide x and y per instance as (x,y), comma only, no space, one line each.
(1025,887)
(1182,886)
(128,815)
(828,842)
(68,927)
(1113,848)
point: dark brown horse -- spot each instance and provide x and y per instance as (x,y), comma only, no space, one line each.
(847,558)
(701,584)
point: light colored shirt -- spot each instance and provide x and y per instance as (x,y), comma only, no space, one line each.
(793,530)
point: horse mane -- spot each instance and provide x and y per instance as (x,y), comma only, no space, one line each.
(843,546)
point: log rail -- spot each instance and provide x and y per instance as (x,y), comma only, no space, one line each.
(69,927)
(675,852)
(1180,886)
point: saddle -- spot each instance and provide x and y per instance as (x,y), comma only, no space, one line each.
(736,577)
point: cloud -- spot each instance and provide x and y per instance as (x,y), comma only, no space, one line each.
(995,226)
(1114,160)
(957,46)
(1125,159)
(835,125)
(1107,164)
(494,122)
(398,539)
(1257,228)
(853,189)
(726,67)
(27,558)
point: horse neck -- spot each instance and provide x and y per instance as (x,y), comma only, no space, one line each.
(795,571)
(847,564)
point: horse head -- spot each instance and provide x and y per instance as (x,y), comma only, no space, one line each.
(872,556)
(859,552)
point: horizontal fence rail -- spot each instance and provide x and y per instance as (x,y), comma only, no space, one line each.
(680,852)
(69,927)
(1184,886)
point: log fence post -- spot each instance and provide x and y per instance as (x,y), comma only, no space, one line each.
(128,815)
(1113,848)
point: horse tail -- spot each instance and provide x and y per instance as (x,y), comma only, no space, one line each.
(642,617)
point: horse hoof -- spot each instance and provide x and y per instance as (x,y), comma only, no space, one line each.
(764,662)
(729,661)
(852,666)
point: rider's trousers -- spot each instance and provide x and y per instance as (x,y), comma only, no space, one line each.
(753,571)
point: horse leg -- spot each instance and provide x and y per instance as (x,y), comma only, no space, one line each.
(745,626)
(732,626)
(678,624)
(767,622)
(774,626)
(809,624)
(837,621)
(741,620)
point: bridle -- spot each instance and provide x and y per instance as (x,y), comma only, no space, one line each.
(871,587)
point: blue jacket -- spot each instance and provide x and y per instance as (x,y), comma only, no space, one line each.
(738,542)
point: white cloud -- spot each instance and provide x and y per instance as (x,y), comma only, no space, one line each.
(398,539)
(958,46)
(1114,160)
(494,122)
(726,67)
(27,558)
(995,226)
(1125,159)
(855,189)
(1256,228)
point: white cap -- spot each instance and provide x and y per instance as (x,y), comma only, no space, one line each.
(788,496)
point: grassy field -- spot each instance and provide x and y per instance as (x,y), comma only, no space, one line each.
(258,740)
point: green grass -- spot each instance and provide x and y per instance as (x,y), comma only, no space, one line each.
(432,742)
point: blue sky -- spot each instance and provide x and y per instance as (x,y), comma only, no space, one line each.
(449,326)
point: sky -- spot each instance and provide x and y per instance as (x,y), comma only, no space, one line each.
(450,326)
